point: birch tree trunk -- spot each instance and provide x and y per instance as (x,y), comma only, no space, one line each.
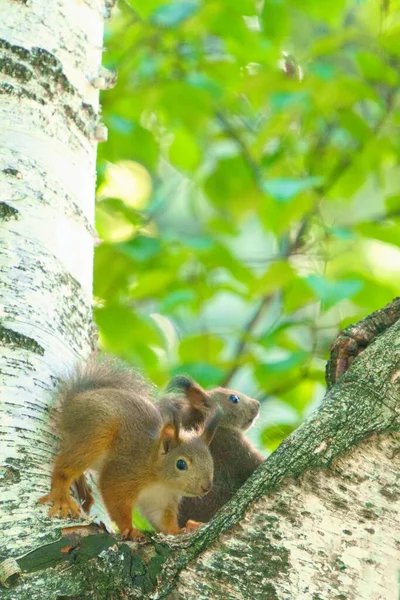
(50,54)
(318,520)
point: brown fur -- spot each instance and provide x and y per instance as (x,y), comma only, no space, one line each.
(107,417)
(235,459)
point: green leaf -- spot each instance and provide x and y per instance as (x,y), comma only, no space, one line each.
(293,359)
(205,348)
(178,298)
(332,292)
(385,232)
(182,104)
(207,375)
(297,295)
(151,283)
(350,182)
(277,276)
(275,19)
(145,9)
(355,125)
(333,15)
(393,203)
(231,184)
(203,82)
(373,68)
(184,151)
(171,15)
(140,248)
(128,140)
(283,190)
(274,435)
(110,282)
(140,522)
(128,334)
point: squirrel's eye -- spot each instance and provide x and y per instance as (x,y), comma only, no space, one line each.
(181,464)
(234,399)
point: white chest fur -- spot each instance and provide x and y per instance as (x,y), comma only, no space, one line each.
(153,500)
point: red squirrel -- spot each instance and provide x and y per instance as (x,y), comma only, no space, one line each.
(108,422)
(235,458)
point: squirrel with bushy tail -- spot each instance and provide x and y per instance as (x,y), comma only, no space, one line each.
(108,422)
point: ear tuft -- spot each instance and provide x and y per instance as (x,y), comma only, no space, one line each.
(167,436)
(198,398)
(179,383)
(211,426)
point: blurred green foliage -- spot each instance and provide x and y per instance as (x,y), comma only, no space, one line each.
(249,195)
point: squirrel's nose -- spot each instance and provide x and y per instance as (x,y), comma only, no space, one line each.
(206,487)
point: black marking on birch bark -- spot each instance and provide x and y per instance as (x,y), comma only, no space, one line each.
(12,172)
(80,123)
(15,69)
(53,189)
(38,75)
(7,212)
(7,88)
(14,339)
(9,474)
(40,60)
(108,6)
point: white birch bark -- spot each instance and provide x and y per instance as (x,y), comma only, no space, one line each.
(50,55)
(319,520)
(332,534)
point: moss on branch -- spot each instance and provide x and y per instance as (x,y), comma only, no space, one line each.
(365,400)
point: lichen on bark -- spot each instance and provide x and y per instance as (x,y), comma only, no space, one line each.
(302,526)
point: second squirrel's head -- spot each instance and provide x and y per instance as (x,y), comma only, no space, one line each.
(185,460)
(239,411)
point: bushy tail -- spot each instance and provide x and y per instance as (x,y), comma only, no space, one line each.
(104,371)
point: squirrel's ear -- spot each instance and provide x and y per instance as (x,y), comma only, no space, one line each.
(169,434)
(198,398)
(211,426)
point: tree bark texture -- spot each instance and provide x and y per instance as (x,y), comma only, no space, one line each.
(50,54)
(319,519)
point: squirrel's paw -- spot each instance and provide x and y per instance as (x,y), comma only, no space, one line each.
(134,535)
(62,506)
(191,526)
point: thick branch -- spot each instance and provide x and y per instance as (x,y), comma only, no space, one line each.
(365,400)
(355,338)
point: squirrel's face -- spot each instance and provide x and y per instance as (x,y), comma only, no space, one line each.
(187,466)
(239,410)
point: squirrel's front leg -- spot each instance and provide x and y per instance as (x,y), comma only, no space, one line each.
(192,525)
(119,498)
(169,521)
(170,525)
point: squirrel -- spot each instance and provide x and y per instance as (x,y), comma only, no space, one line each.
(109,423)
(235,458)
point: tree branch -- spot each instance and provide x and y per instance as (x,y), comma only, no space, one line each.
(354,339)
(364,400)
